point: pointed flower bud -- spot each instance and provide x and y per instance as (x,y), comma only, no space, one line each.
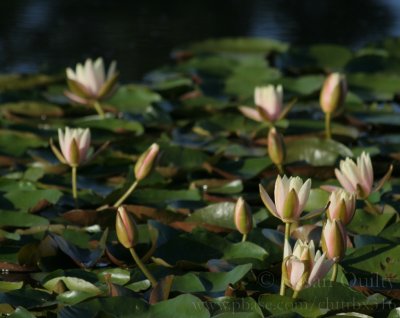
(342,206)
(291,196)
(89,82)
(125,226)
(243,217)
(357,178)
(269,102)
(276,146)
(333,93)
(303,267)
(334,240)
(74,145)
(145,162)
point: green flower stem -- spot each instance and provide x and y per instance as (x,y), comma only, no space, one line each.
(335,272)
(143,268)
(295,294)
(328,131)
(98,108)
(371,208)
(280,169)
(286,243)
(126,194)
(74,186)
(244,237)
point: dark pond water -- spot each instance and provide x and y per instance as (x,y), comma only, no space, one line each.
(47,35)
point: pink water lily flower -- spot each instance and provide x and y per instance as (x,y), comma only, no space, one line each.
(303,267)
(89,82)
(269,102)
(357,177)
(291,196)
(74,145)
(342,206)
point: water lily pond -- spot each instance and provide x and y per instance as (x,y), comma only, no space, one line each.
(247,178)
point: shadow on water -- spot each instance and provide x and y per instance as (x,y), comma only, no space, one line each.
(48,35)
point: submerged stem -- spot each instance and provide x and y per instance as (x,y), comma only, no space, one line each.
(372,209)
(126,194)
(98,108)
(335,272)
(74,184)
(285,248)
(142,267)
(328,132)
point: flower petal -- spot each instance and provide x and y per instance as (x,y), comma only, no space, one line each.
(344,181)
(251,113)
(303,195)
(268,202)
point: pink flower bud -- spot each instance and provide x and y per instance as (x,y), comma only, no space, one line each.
(333,93)
(269,101)
(342,206)
(334,240)
(243,217)
(145,162)
(126,229)
(276,146)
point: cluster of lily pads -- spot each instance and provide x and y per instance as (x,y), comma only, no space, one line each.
(182,182)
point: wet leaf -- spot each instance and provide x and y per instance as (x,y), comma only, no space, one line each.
(315,151)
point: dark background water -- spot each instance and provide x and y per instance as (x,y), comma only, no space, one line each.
(48,35)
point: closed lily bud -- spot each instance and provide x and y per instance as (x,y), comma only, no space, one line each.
(145,162)
(291,196)
(303,267)
(74,145)
(243,217)
(89,82)
(342,206)
(276,146)
(333,93)
(269,102)
(125,226)
(334,240)
(357,178)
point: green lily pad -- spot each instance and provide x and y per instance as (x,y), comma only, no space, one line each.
(239,45)
(134,99)
(32,109)
(32,198)
(315,151)
(377,259)
(16,143)
(112,124)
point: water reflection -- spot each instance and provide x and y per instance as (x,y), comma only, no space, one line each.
(48,35)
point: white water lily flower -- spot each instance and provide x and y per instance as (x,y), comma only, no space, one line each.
(74,145)
(357,177)
(269,102)
(90,82)
(303,267)
(291,196)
